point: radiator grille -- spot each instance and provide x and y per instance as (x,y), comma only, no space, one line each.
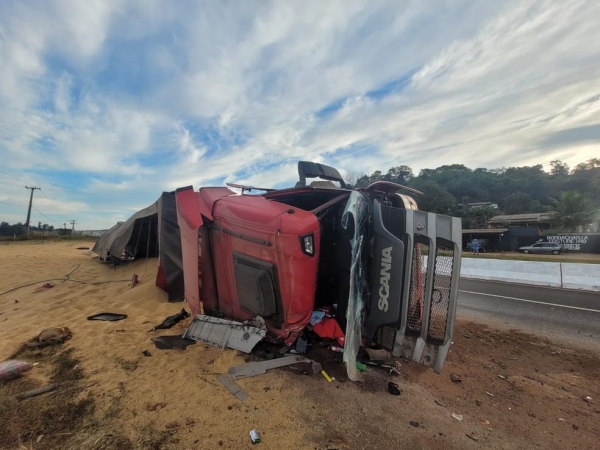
(394,220)
(386,337)
(417,288)
(440,300)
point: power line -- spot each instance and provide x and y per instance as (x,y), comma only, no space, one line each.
(20,181)
(41,213)
(13,204)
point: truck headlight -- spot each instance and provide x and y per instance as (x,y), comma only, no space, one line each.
(307,244)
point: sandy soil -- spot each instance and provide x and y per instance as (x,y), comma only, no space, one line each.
(538,404)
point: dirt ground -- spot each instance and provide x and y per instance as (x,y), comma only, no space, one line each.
(516,391)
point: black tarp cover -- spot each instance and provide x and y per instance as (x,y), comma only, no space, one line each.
(150,232)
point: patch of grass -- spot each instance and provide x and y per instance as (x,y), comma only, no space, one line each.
(46,421)
(151,438)
(543,258)
(66,368)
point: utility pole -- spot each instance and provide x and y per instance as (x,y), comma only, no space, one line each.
(73,222)
(33,188)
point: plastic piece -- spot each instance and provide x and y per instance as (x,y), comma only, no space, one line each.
(13,369)
(394,389)
(326,375)
(329,328)
(110,317)
(253,369)
(357,210)
(223,333)
(172,320)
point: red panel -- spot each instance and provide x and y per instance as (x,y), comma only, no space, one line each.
(259,218)
(189,219)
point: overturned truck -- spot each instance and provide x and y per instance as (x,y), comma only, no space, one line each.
(390,270)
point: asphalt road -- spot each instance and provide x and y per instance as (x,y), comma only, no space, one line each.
(563,313)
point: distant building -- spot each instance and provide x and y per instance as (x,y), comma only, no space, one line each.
(541,221)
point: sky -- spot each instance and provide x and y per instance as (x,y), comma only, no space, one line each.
(105,104)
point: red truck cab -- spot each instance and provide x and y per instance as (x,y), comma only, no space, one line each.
(390,270)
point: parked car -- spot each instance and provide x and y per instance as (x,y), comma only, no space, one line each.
(543,247)
(367,254)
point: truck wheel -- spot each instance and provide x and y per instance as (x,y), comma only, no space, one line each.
(555,252)
(526,251)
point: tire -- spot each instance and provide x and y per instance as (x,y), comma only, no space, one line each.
(555,252)
(526,251)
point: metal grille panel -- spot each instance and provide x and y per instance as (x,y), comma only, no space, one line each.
(386,336)
(394,220)
(440,298)
(417,288)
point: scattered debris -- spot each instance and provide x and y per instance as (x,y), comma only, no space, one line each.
(254,437)
(301,345)
(232,387)
(49,336)
(223,333)
(109,317)
(485,422)
(560,419)
(360,366)
(155,406)
(502,377)
(458,417)
(472,437)
(455,378)
(146,353)
(379,355)
(36,392)
(329,328)
(253,369)
(172,342)
(327,377)
(317,368)
(316,317)
(43,287)
(489,393)
(437,402)
(13,369)
(335,348)
(467,336)
(134,281)
(393,388)
(172,320)
(587,399)
(414,423)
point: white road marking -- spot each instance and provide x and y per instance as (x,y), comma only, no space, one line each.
(531,301)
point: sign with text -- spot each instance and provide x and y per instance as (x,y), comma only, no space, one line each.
(584,243)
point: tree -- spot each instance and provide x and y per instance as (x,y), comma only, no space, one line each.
(399,174)
(352,177)
(436,198)
(559,168)
(516,203)
(574,209)
(477,217)
(590,164)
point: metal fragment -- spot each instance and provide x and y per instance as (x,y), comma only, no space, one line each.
(253,369)
(232,387)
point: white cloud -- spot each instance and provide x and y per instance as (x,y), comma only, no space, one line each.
(141,96)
